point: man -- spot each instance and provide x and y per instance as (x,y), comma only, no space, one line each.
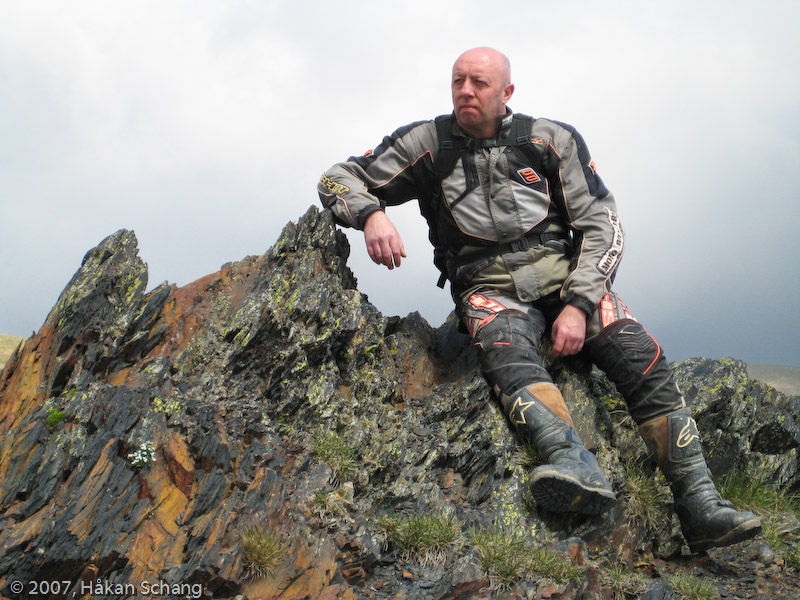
(529,237)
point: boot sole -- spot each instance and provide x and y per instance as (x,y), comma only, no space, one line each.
(742,532)
(557,492)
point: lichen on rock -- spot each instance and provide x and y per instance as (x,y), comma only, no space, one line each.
(228,381)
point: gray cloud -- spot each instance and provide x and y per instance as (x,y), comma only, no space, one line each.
(204,127)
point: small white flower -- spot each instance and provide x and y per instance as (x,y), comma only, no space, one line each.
(144,456)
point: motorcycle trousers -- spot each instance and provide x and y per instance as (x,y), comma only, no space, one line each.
(508,335)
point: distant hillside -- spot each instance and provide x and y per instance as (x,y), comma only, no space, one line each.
(8,343)
(783,379)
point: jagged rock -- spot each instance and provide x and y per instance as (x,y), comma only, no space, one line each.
(143,433)
(745,424)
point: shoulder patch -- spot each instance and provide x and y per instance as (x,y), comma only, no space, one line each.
(332,186)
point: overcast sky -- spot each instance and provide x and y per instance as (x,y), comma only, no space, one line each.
(204,126)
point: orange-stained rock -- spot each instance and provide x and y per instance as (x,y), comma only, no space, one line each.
(143,432)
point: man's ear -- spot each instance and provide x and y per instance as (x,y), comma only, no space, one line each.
(509,89)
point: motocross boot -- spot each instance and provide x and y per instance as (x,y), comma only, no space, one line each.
(706,519)
(570,480)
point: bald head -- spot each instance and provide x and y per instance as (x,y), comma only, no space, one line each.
(490,58)
(481,86)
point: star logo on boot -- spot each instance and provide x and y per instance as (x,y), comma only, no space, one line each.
(518,410)
(687,434)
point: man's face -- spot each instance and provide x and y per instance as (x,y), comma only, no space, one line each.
(480,91)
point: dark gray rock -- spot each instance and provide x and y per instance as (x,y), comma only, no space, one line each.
(231,379)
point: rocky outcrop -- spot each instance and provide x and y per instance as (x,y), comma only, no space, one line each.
(144,434)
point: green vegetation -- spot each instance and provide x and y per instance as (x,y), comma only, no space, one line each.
(333,504)
(792,557)
(54,417)
(261,550)
(425,538)
(336,452)
(507,558)
(622,582)
(692,588)
(646,495)
(143,456)
(757,495)
(526,455)
(768,502)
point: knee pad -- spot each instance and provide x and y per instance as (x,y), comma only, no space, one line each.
(507,346)
(633,360)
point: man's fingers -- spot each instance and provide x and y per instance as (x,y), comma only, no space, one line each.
(388,254)
(382,254)
(374,251)
(398,252)
(568,332)
(384,244)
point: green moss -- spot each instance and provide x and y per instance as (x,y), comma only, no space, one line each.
(54,417)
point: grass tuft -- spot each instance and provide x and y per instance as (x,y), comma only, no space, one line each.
(769,503)
(507,558)
(692,588)
(424,538)
(646,497)
(757,495)
(336,452)
(623,583)
(261,550)
(332,505)
(526,456)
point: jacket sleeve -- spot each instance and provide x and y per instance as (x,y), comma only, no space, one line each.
(591,213)
(398,170)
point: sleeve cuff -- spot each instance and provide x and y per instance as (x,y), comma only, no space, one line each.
(365,213)
(586,305)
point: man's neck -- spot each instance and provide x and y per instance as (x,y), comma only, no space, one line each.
(502,122)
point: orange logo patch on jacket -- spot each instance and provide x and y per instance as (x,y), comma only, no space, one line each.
(528,175)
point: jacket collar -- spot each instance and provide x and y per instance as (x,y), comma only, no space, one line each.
(505,127)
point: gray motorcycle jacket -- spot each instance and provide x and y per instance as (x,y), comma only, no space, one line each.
(494,196)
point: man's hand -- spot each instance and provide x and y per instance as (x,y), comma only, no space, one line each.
(568,331)
(383,241)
